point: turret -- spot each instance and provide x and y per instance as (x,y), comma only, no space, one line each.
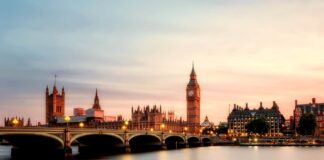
(261,106)
(275,106)
(246,106)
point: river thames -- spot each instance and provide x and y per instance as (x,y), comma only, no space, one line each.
(213,152)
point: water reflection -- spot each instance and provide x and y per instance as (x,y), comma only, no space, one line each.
(214,152)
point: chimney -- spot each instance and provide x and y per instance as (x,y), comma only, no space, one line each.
(313,100)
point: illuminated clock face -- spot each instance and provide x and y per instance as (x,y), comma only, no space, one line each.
(191,93)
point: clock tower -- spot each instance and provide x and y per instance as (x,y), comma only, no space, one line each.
(193,103)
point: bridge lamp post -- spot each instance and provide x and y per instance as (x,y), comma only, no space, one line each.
(67,120)
(185,130)
(126,124)
(81,124)
(67,145)
(152,129)
(162,127)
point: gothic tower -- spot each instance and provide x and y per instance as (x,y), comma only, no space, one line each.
(55,104)
(193,103)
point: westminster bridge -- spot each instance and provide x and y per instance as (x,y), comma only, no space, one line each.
(58,141)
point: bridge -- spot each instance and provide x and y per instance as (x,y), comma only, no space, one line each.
(58,141)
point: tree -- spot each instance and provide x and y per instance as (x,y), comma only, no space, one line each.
(260,126)
(307,124)
(222,129)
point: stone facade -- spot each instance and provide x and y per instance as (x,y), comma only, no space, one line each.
(193,103)
(55,104)
(312,108)
(239,117)
(149,118)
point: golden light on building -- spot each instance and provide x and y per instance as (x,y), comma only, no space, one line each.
(15,121)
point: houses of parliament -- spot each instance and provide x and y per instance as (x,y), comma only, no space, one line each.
(146,118)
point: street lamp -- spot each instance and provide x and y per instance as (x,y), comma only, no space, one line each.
(67,120)
(67,147)
(81,124)
(125,126)
(152,129)
(162,127)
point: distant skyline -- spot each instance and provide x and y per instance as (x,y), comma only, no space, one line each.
(140,53)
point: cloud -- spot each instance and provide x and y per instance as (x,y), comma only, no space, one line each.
(141,53)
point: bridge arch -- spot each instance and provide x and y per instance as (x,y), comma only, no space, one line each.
(175,141)
(206,141)
(13,138)
(144,134)
(94,134)
(145,142)
(168,136)
(193,141)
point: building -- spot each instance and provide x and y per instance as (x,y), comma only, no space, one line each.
(95,114)
(206,123)
(55,104)
(79,111)
(92,115)
(193,103)
(14,122)
(239,117)
(152,118)
(317,109)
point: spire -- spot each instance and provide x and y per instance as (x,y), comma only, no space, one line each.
(193,73)
(47,91)
(54,88)
(275,106)
(96,104)
(55,79)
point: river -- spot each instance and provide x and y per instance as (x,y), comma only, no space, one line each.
(214,153)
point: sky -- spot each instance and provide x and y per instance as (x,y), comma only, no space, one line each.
(141,52)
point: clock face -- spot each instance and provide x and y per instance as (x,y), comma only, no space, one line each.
(191,93)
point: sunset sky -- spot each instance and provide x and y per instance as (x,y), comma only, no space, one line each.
(141,52)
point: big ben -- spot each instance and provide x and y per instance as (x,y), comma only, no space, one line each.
(193,103)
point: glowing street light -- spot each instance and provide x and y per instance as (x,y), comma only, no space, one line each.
(67,119)
(162,126)
(81,124)
(152,129)
(126,123)
(170,131)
